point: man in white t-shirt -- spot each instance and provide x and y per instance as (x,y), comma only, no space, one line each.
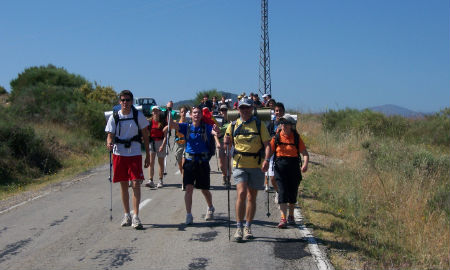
(125,129)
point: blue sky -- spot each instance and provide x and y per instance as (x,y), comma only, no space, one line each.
(324,54)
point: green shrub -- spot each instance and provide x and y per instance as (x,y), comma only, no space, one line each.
(429,130)
(3,90)
(22,153)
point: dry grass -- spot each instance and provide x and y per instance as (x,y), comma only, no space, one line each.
(374,210)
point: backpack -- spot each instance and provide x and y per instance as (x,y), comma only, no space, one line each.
(117,120)
(209,140)
(296,142)
(237,131)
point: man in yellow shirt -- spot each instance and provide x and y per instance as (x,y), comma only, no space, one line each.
(250,139)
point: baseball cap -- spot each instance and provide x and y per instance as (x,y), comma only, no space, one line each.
(156,108)
(287,119)
(265,95)
(244,102)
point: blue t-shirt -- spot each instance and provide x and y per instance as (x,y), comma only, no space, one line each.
(195,143)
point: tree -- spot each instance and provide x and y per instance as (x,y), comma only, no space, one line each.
(105,95)
(212,92)
(3,90)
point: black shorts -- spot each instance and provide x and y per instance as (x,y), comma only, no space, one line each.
(288,177)
(196,173)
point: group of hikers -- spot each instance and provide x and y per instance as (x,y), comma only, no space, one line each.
(256,149)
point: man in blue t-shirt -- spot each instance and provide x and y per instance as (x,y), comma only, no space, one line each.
(197,155)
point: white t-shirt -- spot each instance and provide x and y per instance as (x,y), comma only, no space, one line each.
(128,130)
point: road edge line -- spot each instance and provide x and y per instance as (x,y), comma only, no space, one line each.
(320,258)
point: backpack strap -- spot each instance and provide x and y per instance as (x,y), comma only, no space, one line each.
(236,131)
(117,120)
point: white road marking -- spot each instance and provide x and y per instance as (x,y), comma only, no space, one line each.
(321,260)
(142,204)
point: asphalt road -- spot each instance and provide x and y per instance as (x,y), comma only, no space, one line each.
(67,226)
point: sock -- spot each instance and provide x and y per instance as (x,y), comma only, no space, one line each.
(248,224)
(239,224)
(211,208)
(134,215)
(283,216)
(188,214)
(127,214)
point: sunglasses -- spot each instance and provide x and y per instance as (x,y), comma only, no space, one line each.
(125,99)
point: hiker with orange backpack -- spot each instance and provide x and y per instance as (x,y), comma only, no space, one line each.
(287,147)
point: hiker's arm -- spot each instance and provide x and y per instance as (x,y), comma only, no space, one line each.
(109,141)
(268,152)
(145,136)
(161,148)
(218,145)
(305,155)
(174,125)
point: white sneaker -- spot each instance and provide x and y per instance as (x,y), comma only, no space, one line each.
(189,219)
(160,184)
(126,221)
(210,213)
(150,184)
(136,223)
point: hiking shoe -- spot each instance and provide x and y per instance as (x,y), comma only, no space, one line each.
(126,221)
(238,235)
(160,184)
(291,220)
(247,233)
(282,224)
(210,213)
(189,219)
(136,223)
(275,198)
(150,184)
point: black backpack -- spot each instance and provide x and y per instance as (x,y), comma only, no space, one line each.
(209,140)
(296,142)
(237,131)
(117,120)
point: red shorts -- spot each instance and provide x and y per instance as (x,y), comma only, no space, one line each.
(127,168)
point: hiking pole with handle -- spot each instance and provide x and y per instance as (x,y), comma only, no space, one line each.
(268,199)
(167,141)
(228,191)
(110,186)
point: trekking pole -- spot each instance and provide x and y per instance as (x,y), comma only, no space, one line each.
(110,186)
(167,142)
(268,199)
(217,161)
(228,191)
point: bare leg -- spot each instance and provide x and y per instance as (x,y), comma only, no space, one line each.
(291,209)
(241,197)
(208,197)
(188,198)
(125,196)
(251,204)
(151,168)
(283,209)
(161,167)
(136,196)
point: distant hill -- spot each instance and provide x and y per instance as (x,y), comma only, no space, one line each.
(390,110)
(190,102)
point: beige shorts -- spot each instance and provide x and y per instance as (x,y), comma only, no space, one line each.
(154,147)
